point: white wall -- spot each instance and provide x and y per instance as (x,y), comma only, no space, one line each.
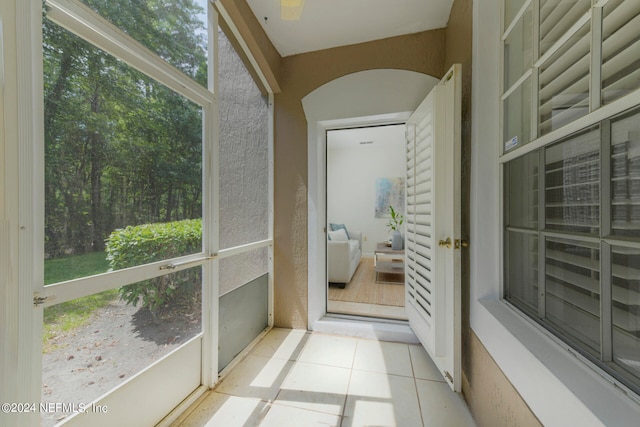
(352,170)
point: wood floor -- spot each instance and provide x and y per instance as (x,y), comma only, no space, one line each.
(364,289)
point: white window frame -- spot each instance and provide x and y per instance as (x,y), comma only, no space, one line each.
(22,186)
(559,387)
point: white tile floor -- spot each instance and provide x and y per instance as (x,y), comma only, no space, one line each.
(295,378)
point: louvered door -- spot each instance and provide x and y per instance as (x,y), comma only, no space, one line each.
(420,272)
(433,225)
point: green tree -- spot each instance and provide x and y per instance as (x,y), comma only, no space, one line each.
(120,148)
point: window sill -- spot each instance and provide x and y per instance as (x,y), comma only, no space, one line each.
(560,387)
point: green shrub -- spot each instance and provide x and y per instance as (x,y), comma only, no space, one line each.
(143,244)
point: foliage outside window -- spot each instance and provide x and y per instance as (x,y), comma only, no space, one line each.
(572,206)
(121,149)
(123,186)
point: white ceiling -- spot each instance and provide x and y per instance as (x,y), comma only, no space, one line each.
(330,23)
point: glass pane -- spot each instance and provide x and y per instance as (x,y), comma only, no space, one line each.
(518,52)
(522,271)
(521,187)
(511,8)
(572,184)
(237,270)
(564,83)
(244,152)
(625,176)
(96,343)
(557,17)
(626,311)
(121,150)
(620,49)
(517,117)
(176,30)
(573,291)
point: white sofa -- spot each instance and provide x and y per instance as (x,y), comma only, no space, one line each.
(343,256)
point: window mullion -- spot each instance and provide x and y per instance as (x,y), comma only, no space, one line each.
(605,179)
(515,19)
(606,325)
(542,291)
(535,75)
(596,59)
(606,301)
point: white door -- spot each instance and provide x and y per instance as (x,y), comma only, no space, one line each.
(433,240)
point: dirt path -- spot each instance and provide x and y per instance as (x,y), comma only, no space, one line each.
(117,343)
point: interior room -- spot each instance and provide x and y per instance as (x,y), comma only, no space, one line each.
(365,175)
(165,212)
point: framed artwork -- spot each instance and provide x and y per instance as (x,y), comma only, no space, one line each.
(389,191)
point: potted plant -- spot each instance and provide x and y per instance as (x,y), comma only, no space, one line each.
(394,224)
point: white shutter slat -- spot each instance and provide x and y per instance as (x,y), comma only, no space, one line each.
(419,199)
(564,83)
(557,23)
(620,49)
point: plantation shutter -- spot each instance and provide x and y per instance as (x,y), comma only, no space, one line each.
(571,44)
(557,17)
(419,199)
(433,225)
(620,49)
(564,74)
(572,267)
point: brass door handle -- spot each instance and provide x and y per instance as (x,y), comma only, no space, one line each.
(445,243)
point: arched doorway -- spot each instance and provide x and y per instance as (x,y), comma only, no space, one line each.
(366,98)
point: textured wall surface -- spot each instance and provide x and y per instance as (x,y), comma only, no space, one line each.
(302,74)
(291,79)
(244,168)
(493,401)
(255,39)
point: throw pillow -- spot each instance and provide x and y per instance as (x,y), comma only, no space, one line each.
(338,235)
(335,227)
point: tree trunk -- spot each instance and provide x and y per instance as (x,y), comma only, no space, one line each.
(96,149)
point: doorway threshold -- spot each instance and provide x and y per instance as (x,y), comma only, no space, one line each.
(366,327)
(383,312)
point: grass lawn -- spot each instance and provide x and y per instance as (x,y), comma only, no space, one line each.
(71,267)
(62,318)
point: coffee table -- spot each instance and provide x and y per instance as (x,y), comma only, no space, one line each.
(389,262)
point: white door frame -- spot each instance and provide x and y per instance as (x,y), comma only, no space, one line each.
(367,98)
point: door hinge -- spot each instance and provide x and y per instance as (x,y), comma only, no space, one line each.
(448,376)
(38,300)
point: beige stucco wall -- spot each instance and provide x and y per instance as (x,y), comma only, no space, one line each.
(291,79)
(492,399)
(301,74)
